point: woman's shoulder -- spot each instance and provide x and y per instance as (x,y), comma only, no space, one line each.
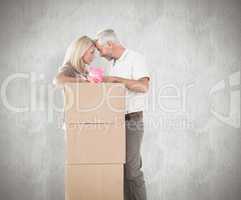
(67,69)
(64,66)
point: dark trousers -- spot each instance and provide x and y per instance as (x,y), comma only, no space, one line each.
(134,183)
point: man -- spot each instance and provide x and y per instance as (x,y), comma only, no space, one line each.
(129,68)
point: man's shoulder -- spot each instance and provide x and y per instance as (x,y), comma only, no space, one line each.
(134,54)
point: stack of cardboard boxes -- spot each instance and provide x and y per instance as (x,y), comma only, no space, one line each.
(95,141)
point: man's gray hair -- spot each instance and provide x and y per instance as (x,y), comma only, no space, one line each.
(106,35)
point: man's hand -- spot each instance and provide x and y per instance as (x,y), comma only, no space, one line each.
(110,79)
(140,85)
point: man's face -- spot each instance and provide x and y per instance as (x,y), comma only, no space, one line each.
(105,50)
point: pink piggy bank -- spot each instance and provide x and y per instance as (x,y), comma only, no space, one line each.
(95,74)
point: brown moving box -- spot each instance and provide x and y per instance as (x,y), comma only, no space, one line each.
(95,124)
(95,143)
(94,182)
(94,103)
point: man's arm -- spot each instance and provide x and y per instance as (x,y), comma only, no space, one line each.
(140,85)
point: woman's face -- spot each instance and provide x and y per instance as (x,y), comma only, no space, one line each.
(89,55)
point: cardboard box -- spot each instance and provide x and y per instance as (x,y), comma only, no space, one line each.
(94,182)
(95,143)
(94,103)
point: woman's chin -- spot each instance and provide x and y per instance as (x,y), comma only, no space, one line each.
(87,63)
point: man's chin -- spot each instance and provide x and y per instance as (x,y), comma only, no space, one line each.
(108,58)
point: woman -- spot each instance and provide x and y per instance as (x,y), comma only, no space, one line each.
(79,54)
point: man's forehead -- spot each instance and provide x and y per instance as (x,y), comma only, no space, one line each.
(97,45)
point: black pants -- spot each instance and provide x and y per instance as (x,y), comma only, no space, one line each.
(134,183)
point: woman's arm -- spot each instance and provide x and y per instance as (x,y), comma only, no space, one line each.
(61,78)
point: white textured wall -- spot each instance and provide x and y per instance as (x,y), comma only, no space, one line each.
(192,143)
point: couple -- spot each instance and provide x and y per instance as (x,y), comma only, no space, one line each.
(128,67)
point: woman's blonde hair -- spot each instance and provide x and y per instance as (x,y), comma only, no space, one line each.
(76,50)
